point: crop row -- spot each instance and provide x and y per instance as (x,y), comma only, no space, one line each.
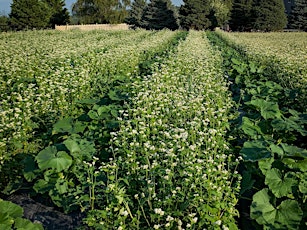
(269,135)
(282,54)
(47,72)
(171,166)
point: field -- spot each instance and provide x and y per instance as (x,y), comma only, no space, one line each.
(154,129)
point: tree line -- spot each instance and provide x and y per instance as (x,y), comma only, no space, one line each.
(237,15)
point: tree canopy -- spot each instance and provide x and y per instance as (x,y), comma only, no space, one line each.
(298,16)
(100,11)
(159,14)
(29,14)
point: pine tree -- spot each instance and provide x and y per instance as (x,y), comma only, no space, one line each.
(159,14)
(194,14)
(298,16)
(136,13)
(241,15)
(60,15)
(269,15)
(29,14)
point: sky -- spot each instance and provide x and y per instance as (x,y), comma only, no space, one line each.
(5,5)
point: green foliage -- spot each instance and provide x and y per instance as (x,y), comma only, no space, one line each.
(4,23)
(159,14)
(298,16)
(194,14)
(241,15)
(29,14)
(136,13)
(269,15)
(11,217)
(59,14)
(274,153)
(100,11)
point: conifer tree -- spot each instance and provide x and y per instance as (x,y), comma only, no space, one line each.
(194,14)
(29,14)
(60,15)
(298,16)
(241,15)
(159,14)
(269,15)
(136,13)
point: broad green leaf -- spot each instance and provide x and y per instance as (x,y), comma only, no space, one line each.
(250,128)
(254,151)
(103,110)
(261,209)
(21,223)
(277,149)
(279,185)
(50,158)
(10,209)
(295,164)
(72,146)
(265,164)
(6,221)
(42,186)
(268,110)
(29,168)
(289,214)
(288,125)
(93,115)
(293,151)
(62,126)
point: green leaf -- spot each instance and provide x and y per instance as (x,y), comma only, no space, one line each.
(279,185)
(29,168)
(250,128)
(113,95)
(72,146)
(50,158)
(10,209)
(254,151)
(293,151)
(261,209)
(25,224)
(62,186)
(296,164)
(62,126)
(303,186)
(268,110)
(277,149)
(42,186)
(247,182)
(265,164)
(6,221)
(289,214)
(102,110)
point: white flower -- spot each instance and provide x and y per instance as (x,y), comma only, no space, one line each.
(157,226)
(218,222)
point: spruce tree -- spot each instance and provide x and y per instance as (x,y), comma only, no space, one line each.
(269,15)
(241,15)
(159,14)
(29,14)
(136,13)
(298,16)
(194,14)
(60,15)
